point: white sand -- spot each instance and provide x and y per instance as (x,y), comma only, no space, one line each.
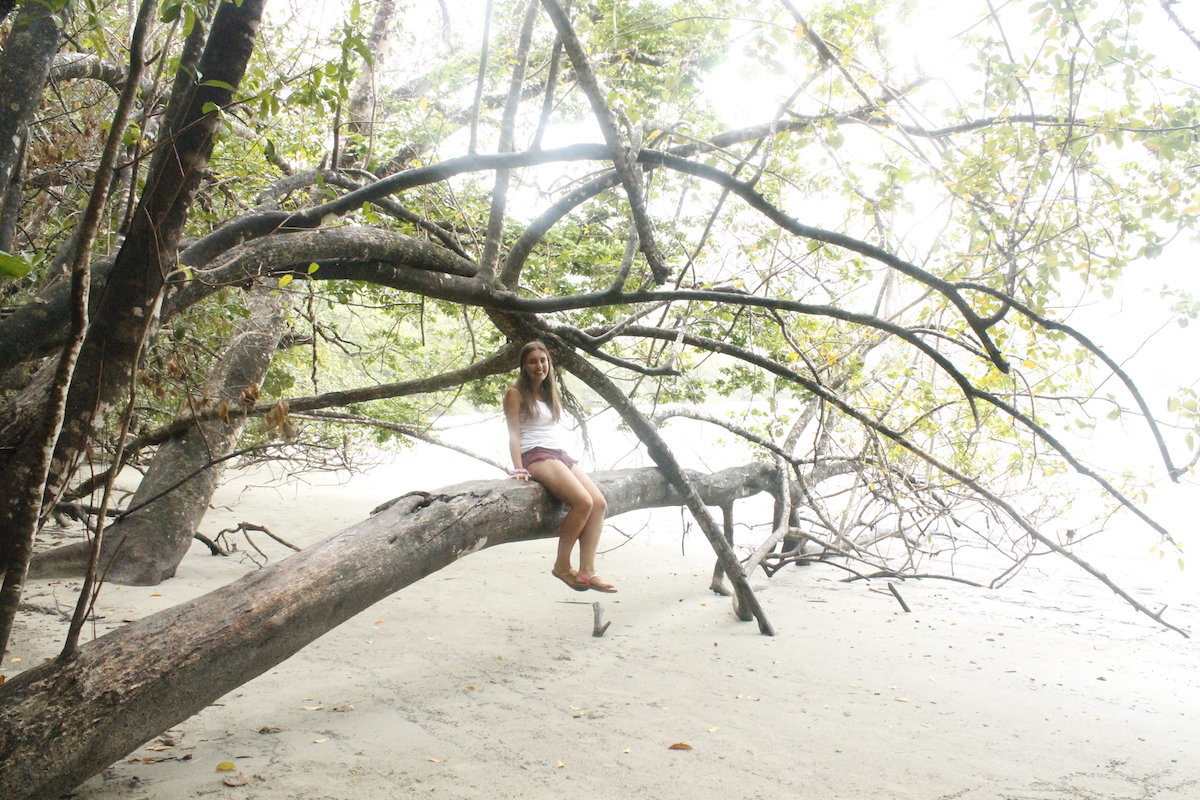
(484,680)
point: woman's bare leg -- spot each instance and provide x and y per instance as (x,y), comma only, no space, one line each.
(589,535)
(566,486)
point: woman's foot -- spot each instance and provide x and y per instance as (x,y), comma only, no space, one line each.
(570,577)
(594,582)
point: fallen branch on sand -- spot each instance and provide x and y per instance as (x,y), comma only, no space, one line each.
(64,721)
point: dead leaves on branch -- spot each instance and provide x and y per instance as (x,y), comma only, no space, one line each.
(249,396)
(278,419)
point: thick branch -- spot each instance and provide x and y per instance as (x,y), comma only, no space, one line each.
(24,64)
(85,66)
(59,722)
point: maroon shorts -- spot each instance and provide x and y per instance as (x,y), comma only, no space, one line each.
(536,454)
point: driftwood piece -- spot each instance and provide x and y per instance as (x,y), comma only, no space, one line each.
(597,618)
(62,722)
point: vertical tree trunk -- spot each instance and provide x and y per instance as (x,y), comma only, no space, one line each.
(145,548)
(361,113)
(125,313)
(24,66)
(10,204)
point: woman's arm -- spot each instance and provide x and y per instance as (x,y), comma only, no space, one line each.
(512,416)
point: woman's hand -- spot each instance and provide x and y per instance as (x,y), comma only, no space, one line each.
(520,473)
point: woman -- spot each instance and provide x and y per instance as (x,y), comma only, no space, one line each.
(532,409)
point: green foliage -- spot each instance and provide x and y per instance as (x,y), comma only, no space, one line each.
(13,266)
(1047,151)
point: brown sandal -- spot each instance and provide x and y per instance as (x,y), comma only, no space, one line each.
(569,579)
(586,582)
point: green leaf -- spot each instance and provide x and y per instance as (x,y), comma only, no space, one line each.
(13,266)
(218,84)
(284,280)
(313,267)
(277,382)
(132,134)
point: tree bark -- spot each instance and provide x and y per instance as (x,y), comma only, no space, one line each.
(360,115)
(145,547)
(87,66)
(126,312)
(24,66)
(63,722)
(39,328)
(11,199)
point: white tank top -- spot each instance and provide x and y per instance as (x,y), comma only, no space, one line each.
(542,430)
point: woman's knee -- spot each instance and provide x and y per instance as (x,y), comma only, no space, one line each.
(599,504)
(582,502)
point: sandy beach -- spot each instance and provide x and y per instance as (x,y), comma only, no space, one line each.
(484,680)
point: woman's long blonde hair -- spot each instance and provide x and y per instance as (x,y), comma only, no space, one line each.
(549,385)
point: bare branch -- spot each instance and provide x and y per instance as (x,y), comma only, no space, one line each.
(1053,325)
(929,458)
(1168,7)
(411,431)
(746,605)
(495,226)
(623,160)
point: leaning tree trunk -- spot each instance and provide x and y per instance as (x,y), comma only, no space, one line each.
(63,722)
(145,547)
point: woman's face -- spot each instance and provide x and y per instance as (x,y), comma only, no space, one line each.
(537,366)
